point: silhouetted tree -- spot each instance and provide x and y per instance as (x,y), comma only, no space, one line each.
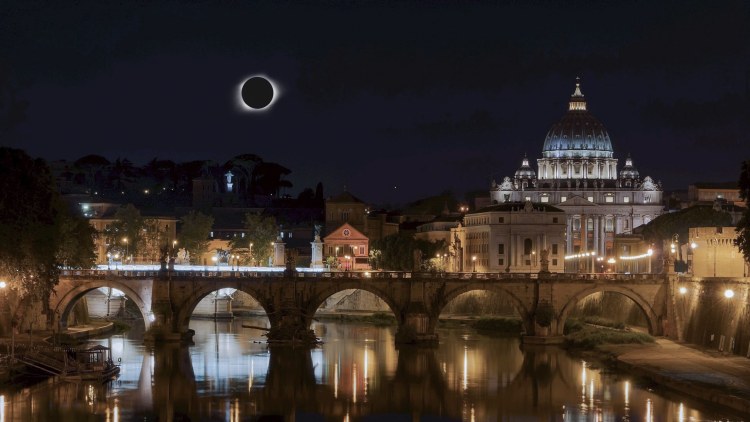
(194,234)
(743,226)
(261,231)
(37,233)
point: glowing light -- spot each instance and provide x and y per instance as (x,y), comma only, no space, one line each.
(728,293)
(681,414)
(240,103)
(649,411)
(693,245)
(645,255)
(627,393)
(611,261)
(465,382)
(354,383)
(3,284)
(683,290)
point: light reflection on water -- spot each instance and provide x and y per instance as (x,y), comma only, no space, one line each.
(231,375)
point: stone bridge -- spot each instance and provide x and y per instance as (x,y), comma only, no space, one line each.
(167,299)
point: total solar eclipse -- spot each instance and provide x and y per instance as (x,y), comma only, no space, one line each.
(257,92)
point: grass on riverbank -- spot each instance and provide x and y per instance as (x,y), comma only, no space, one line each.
(579,335)
(499,325)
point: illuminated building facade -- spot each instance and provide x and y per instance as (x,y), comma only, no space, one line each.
(578,174)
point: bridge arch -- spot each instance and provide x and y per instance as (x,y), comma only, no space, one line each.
(322,295)
(651,318)
(62,305)
(185,311)
(518,304)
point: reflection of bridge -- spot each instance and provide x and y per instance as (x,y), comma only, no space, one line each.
(418,388)
(168,299)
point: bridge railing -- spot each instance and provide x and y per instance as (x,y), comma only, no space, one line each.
(98,273)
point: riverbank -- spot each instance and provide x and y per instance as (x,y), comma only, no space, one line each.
(703,375)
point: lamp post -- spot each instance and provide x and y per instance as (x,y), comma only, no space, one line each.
(251,254)
(474,263)
(127,250)
(611,262)
(109,260)
(3,287)
(533,260)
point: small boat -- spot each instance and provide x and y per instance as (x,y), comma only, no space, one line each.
(93,364)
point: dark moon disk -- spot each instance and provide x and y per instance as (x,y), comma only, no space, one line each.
(257,92)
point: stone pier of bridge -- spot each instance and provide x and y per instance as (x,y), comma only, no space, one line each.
(290,299)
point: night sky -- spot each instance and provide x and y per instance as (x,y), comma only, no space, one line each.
(395,100)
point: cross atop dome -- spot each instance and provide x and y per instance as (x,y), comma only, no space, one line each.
(577,102)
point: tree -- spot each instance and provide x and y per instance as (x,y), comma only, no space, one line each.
(743,226)
(125,234)
(665,226)
(194,234)
(76,246)
(37,233)
(261,231)
(396,252)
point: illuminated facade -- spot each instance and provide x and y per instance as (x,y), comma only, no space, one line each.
(578,174)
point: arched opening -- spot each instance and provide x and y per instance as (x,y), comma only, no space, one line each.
(215,315)
(102,308)
(496,310)
(608,308)
(354,313)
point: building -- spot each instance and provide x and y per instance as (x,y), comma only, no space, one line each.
(712,253)
(345,208)
(707,193)
(510,237)
(578,174)
(349,247)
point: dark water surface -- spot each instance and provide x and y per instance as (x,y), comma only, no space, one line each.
(356,375)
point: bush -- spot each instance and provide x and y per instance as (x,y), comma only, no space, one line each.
(572,325)
(589,338)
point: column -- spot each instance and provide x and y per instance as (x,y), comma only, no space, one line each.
(596,234)
(603,234)
(584,233)
(569,236)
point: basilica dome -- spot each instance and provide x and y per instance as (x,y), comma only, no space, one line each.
(578,134)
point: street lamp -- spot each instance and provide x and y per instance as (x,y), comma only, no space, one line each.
(474,263)
(127,250)
(533,260)
(109,260)
(251,254)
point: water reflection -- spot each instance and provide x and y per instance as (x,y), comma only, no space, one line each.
(358,374)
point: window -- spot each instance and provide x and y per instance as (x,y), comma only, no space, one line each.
(626,199)
(501,220)
(501,261)
(554,261)
(545,198)
(528,198)
(609,199)
(554,249)
(527,246)
(590,198)
(563,198)
(554,220)
(608,225)
(361,250)
(590,224)
(576,224)
(501,249)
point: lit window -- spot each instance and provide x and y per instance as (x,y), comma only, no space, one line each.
(626,199)
(528,198)
(609,198)
(590,198)
(563,198)
(545,198)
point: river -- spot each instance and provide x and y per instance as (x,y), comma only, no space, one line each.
(357,374)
